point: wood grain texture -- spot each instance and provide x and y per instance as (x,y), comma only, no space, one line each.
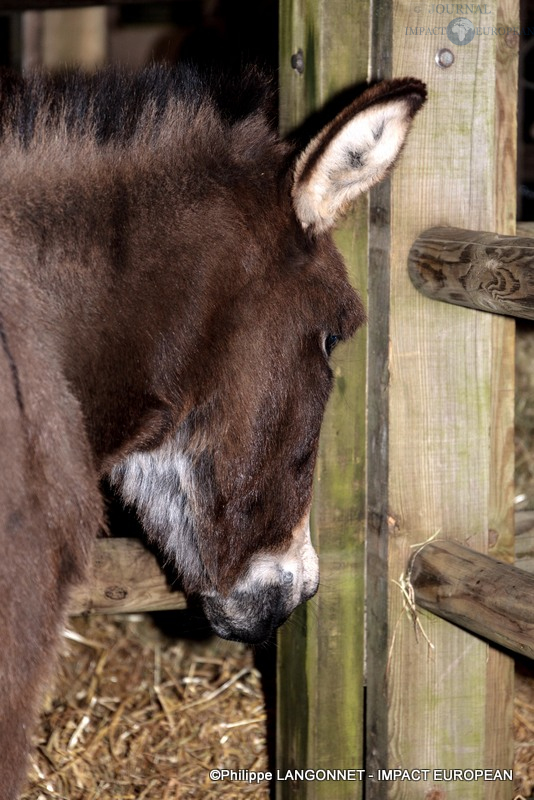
(499,668)
(125,577)
(447,376)
(476,592)
(475,269)
(320,663)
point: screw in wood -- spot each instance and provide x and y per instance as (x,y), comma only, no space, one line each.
(297,61)
(444,58)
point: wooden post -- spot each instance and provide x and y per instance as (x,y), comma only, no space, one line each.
(475,269)
(320,665)
(482,595)
(440,407)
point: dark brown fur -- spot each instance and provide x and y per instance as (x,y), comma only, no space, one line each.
(153,275)
(169,295)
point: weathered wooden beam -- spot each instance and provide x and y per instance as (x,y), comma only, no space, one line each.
(125,577)
(475,269)
(321,650)
(440,411)
(476,592)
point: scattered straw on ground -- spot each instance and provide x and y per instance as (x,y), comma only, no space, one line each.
(135,715)
(524,414)
(524,478)
(524,732)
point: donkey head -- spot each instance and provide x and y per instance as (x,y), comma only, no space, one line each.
(228,492)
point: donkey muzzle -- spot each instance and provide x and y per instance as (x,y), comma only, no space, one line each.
(273,586)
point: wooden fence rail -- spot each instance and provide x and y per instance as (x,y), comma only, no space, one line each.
(476,592)
(495,273)
(475,269)
(125,577)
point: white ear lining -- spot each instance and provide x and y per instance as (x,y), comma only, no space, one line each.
(342,162)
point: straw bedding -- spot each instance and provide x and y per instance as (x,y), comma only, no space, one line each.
(524,730)
(135,715)
(524,456)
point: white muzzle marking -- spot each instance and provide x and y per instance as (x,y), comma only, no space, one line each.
(299,560)
(273,586)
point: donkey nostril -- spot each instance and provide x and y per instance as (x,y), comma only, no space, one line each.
(287,578)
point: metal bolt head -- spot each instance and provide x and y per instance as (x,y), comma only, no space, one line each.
(297,61)
(444,58)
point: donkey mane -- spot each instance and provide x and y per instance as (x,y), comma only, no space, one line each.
(114,106)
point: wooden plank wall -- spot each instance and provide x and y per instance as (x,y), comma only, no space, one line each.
(440,410)
(439,422)
(320,673)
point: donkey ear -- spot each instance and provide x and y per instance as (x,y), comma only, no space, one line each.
(354,152)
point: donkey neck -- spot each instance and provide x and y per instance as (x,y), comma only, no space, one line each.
(131,269)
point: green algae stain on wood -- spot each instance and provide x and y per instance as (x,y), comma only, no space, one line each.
(320,664)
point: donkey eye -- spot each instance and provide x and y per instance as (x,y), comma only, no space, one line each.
(330,341)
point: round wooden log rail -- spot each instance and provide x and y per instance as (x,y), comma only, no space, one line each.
(475,269)
(476,592)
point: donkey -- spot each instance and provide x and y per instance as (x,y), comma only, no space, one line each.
(170,297)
